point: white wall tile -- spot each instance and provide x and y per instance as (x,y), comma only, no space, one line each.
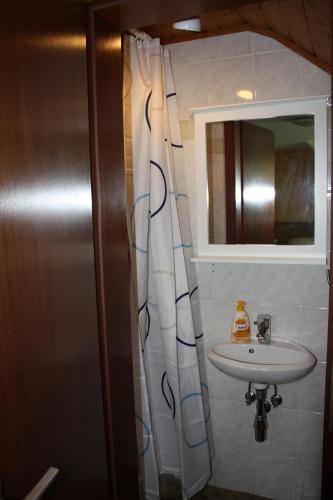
(234,469)
(314,80)
(229,77)
(211,374)
(288,392)
(277,75)
(223,315)
(232,282)
(262,43)
(207,321)
(204,277)
(235,44)
(271,284)
(228,388)
(192,86)
(292,285)
(233,425)
(313,332)
(275,476)
(308,480)
(191,187)
(311,390)
(189,52)
(309,435)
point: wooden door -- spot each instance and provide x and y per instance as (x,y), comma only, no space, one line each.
(258,184)
(51,409)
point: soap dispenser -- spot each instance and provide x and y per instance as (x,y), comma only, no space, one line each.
(241,330)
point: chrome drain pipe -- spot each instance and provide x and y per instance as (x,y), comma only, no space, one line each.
(260,419)
(263,406)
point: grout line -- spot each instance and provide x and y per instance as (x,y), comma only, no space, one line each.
(226,58)
(254,80)
(321,413)
(265,304)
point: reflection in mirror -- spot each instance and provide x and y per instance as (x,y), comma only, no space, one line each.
(261,181)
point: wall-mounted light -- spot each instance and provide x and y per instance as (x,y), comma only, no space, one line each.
(247,95)
(188,25)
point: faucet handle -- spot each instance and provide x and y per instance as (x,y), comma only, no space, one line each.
(263,322)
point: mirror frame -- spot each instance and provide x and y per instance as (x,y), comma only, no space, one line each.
(312,254)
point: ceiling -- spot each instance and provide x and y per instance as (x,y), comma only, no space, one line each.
(304,26)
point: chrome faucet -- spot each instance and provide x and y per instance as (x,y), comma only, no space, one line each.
(264,328)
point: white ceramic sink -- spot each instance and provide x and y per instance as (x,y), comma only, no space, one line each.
(279,362)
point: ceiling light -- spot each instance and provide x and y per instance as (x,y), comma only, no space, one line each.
(188,25)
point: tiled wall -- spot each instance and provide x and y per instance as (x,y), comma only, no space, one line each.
(287,466)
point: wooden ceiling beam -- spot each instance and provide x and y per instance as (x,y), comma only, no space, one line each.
(274,18)
(299,31)
(319,27)
(127,14)
(252,14)
(226,17)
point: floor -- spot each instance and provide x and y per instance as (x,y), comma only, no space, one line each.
(170,490)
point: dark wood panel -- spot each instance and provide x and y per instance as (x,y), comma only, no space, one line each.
(320,26)
(207,23)
(258,172)
(274,18)
(226,18)
(299,31)
(50,383)
(252,14)
(230,184)
(127,15)
(112,252)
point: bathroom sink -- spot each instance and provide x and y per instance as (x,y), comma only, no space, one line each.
(279,362)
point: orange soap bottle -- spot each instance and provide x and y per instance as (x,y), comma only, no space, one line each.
(241,330)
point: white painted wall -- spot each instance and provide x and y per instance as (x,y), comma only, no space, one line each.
(288,465)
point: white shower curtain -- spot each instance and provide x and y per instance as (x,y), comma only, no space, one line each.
(172,400)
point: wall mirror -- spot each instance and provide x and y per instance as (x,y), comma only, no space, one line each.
(262,181)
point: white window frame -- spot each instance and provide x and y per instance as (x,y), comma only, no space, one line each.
(312,254)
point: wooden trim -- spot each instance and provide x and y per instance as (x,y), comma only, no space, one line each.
(95,181)
(240,168)
(104,4)
(111,251)
(230,182)
(198,6)
(140,13)
(238,183)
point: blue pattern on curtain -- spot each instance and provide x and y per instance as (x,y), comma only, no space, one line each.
(172,393)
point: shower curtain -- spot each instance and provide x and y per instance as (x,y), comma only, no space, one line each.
(172,402)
